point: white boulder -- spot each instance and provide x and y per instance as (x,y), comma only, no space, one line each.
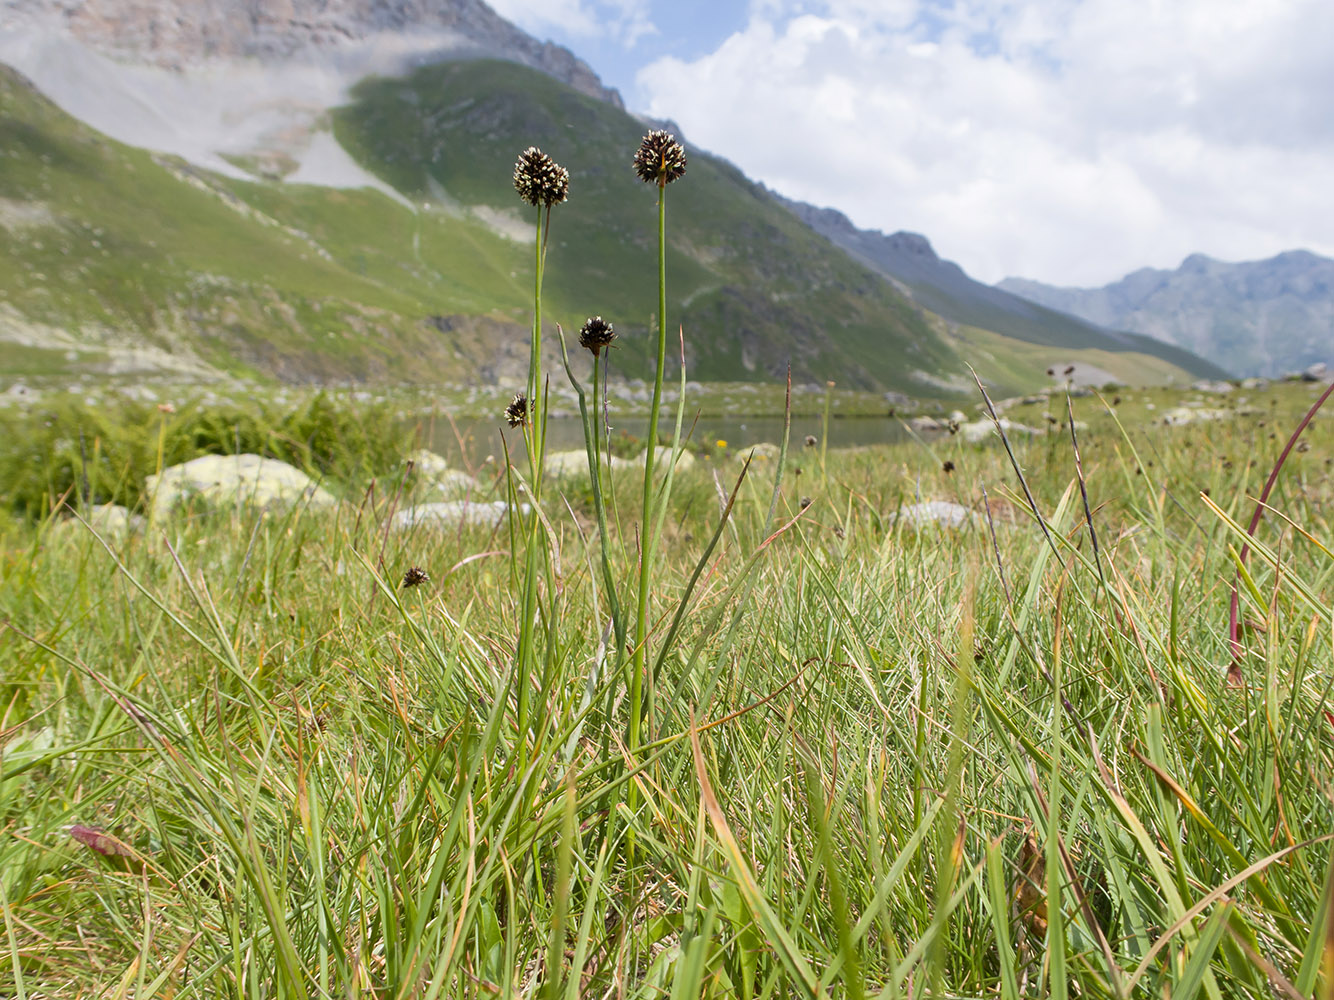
(434,478)
(941,512)
(664,455)
(757,453)
(1183,415)
(977,431)
(452,513)
(217,479)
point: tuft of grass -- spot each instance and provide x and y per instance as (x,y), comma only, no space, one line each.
(859,726)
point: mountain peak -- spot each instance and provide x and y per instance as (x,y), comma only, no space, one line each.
(912,243)
(1259,317)
(1197,263)
(356,36)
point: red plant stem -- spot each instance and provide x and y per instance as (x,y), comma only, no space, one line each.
(1234,644)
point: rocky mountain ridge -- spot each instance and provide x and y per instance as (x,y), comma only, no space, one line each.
(1264,317)
(942,286)
(179,36)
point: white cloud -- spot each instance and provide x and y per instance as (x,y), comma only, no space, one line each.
(623,21)
(1066,140)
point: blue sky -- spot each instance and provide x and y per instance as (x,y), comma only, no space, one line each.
(1070,141)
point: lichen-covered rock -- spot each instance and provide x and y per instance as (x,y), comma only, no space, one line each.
(762,452)
(112,518)
(664,455)
(452,513)
(927,425)
(978,431)
(433,479)
(1183,415)
(250,479)
(108,520)
(944,513)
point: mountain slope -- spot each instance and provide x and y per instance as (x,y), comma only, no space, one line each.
(1260,317)
(125,250)
(751,285)
(236,85)
(942,287)
(339,34)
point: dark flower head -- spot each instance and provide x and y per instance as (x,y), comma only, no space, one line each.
(948,466)
(539,179)
(517,412)
(595,334)
(811,441)
(661,159)
(415,576)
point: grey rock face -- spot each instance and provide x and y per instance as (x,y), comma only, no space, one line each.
(175,34)
(1261,317)
(909,260)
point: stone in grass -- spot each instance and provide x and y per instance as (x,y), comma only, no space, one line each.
(927,425)
(228,479)
(108,520)
(978,431)
(112,518)
(453,513)
(574,464)
(1183,415)
(664,455)
(435,479)
(943,513)
(758,453)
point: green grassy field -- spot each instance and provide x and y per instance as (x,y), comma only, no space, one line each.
(239,759)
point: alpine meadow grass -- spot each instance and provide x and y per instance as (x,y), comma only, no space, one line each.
(758,726)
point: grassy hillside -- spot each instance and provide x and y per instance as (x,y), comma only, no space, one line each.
(113,259)
(752,285)
(119,247)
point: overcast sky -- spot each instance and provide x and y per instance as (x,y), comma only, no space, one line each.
(1070,141)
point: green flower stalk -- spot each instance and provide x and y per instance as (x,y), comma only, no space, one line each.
(595,336)
(542,183)
(659,160)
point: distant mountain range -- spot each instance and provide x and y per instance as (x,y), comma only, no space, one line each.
(320,190)
(942,287)
(1263,317)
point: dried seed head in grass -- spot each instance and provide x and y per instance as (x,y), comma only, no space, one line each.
(660,158)
(596,334)
(415,576)
(516,414)
(811,441)
(539,179)
(947,467)
(805,502)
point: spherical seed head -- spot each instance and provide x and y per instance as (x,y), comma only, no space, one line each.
(415,576)
(660,159)
(539,179)
(516,414)
(595,334)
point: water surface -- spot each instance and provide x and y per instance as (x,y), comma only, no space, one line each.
(469,442)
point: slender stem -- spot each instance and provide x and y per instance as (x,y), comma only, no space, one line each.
(592,444)
(599,505)
(526,654)
(824,432)
(536,426)
(647,539)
